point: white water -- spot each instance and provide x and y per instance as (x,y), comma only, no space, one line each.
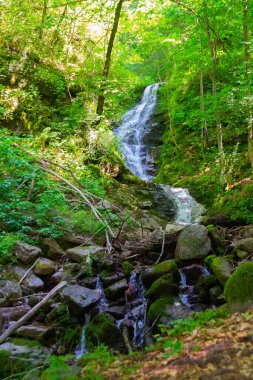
(81,350)
(130,134)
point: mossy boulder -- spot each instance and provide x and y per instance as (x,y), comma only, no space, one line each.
(162,287)
(102,329)
(193,243)
(153,273)
(245,245)
(220,266)
(158,308)
(127,268)
(44,267)
(239,288)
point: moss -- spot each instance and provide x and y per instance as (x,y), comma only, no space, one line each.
(127,268)
(4,360)
(59,369)
(26,342)
(221,267)
(168,266)
(164,286)
(102,330)
(159,308)
(239,288)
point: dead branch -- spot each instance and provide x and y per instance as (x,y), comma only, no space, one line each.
(31,312)
(162,250)
(27,272)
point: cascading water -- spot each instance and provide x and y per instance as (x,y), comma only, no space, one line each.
(136,124)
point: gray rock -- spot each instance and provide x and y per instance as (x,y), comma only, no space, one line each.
(172,228)
(37,331)
(193,243)
(77,240)
(54,250)
(13,313)
(80,254)
(79,298)
(44,267)
(117,311)
(31,281)
(245,245)
(116,290)
(26,252)
(112,278)
(10,290)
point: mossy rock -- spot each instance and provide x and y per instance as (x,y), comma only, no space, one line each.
(159,308)
(161,269)
(127,268)
(164,286)
(220,266)
(239,288)
(102,330)
(205,282)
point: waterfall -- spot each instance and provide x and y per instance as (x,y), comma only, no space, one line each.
(136,124)
(82,349)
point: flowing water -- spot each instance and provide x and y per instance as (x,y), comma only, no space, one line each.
(136,124)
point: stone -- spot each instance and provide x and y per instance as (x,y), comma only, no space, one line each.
(127,268)
(54,251)
(205,282)
(10,290)
(57,277)
(112,278)
(117,289)
(242,254)
(245,245)
(89,282)
(44,267)
(174,228)
(163,287)
(159,308)
(192,272)
(239,288)
(31,281)
(80,254)
(26,253)
(117,312)
(151,274)
(193,243)
(76,239)
(215,295)
(102,330)
(221,268)
(80,299)
(14,313)
(38,331)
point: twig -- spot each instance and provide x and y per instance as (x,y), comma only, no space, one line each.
(16,375)
(162,250)
(31,312)
(27,272)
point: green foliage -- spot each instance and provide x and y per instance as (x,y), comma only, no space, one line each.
(7,242)
(59,369)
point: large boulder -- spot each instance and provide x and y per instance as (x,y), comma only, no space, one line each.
(193,243)
(239,288)
(44,267)
(80,254)
(10,290)
(31,281)
(245,245)
(220,266)
(54,250)
(164,286)
(151,274)
(26,253)
(79,299)
(37,331)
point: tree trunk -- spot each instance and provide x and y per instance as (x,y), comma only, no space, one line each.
(43,18)
(247,77)
(101,98)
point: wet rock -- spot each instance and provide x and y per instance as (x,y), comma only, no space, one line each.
(26,253)
(38,331)
(79,298)
(13,313)
(57,277)
(242,254)
(116,290)
(111,279)
(245,245)
(54,251)
(102,330)
(117,311)
(80,254)
(193,243)
(164,286)
(215,295)
(193,272)
(10,290)
(35,299)
(89,282)
(31,281)
(44,267)
(151,274)
(221,268)
(18,356)
(158,308)
(174,228)
(107,263)
(205,282)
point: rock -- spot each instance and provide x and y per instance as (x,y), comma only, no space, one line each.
(107,263)
(215,295)
(174,228)
(193,243)
(127,268)
(35,299)
(54,251)
(38,331)
(111,279)
(80,254)
(153,273)
(150,224)
(221,267)
(158,308)
(77,240)
(164,286)
(44,267)
(80,299)
(102,330)
(57,277)
(13,313)
(89,282)
(26,252)
(10,290)
(20,355)
(222,220)
(192,272)
(117,311)
(205,282)
(245,245)
(116,290)
(31,281)
(242,254)
(239,288)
